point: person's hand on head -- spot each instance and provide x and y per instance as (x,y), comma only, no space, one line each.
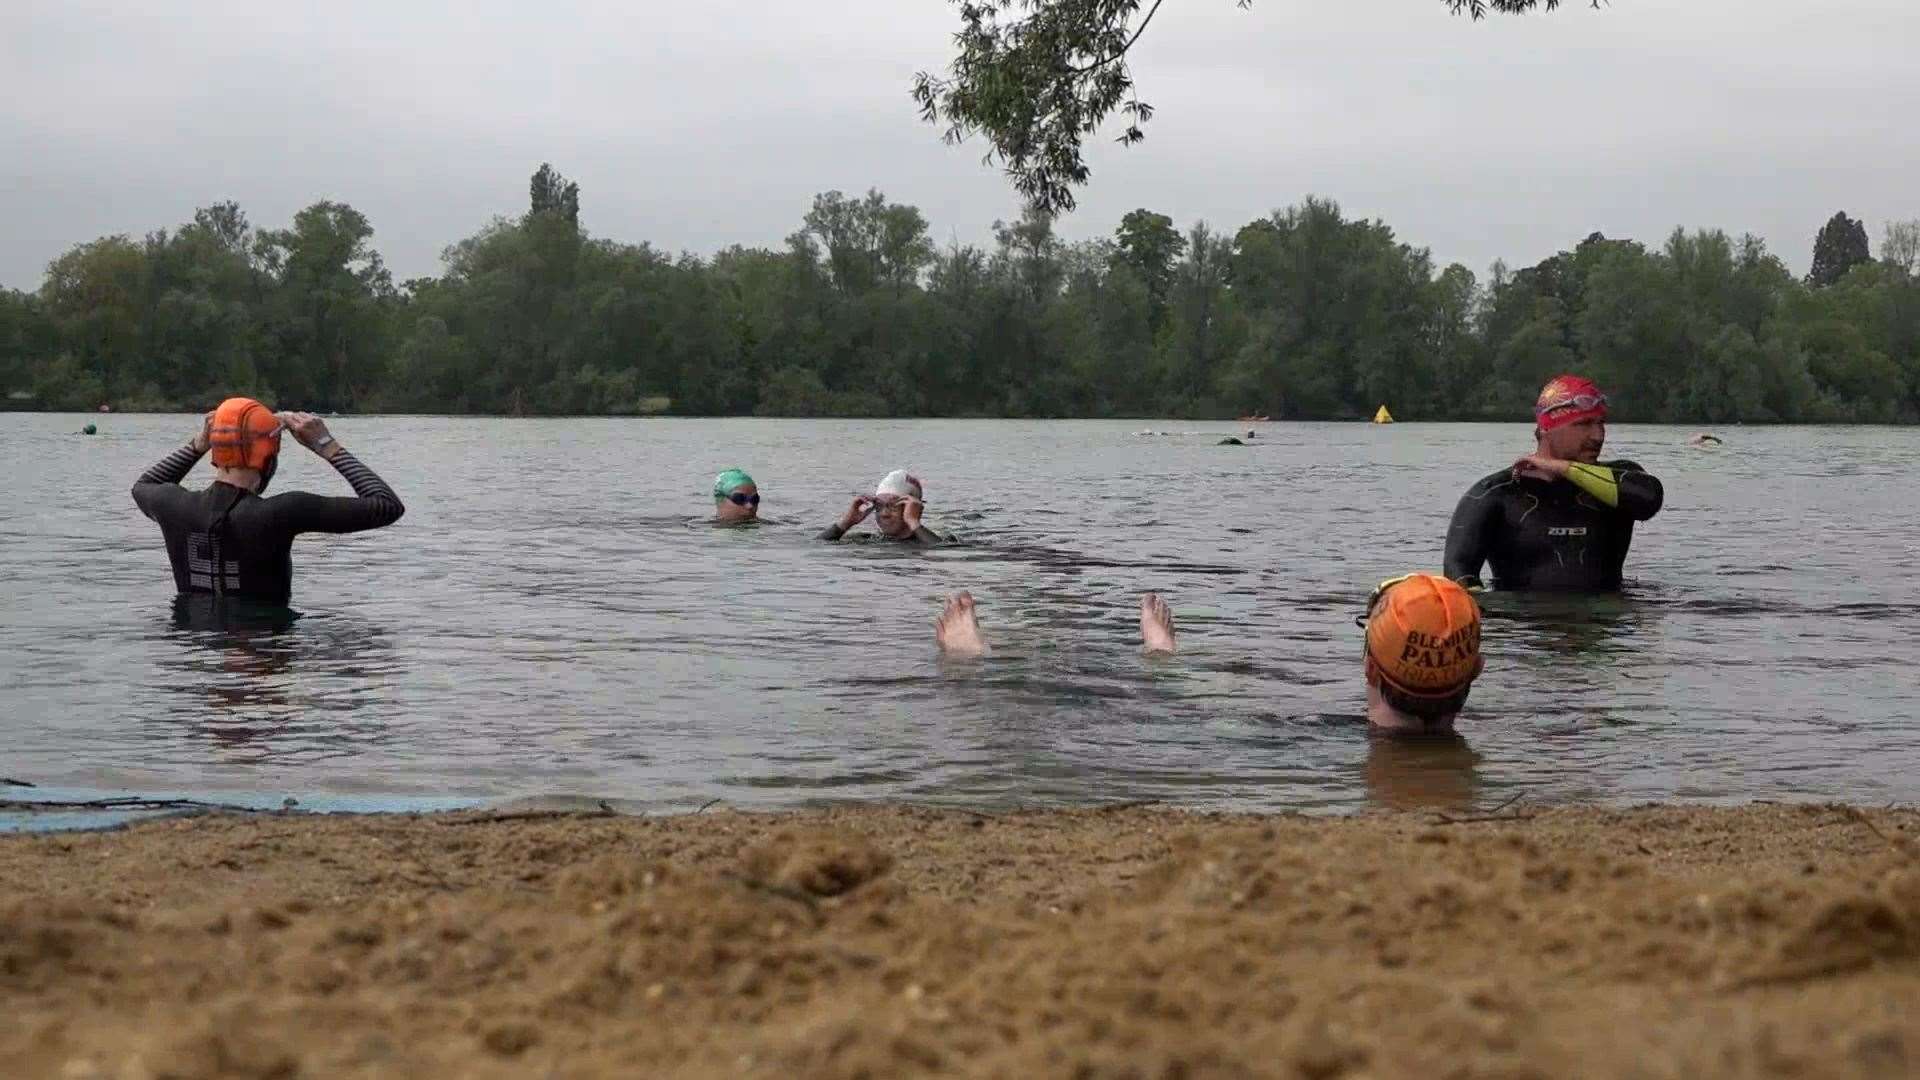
(911,509)
(203,439)
(857,512)
(310,431)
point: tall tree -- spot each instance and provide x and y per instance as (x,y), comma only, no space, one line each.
(326,313)
(1149,243)
(549,192)
(1840,246)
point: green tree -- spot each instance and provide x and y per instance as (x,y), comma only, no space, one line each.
(1840,246)
(1149,244)
(327,312)
(550,193)
(27,339)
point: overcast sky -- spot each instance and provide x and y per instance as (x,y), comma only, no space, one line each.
(704,123)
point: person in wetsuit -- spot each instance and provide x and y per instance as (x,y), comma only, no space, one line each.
(896,505)
(1558,519)
(227,540)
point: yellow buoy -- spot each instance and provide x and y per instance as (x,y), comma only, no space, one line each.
(1383,416)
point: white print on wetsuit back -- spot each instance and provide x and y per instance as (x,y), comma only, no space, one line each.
(1566,530)
(201,554)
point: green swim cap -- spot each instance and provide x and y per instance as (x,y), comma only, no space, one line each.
(729,482)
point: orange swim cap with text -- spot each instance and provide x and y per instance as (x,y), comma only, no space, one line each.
(244,434)
(1423,635)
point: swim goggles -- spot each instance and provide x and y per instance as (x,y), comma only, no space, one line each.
(738,499)
(1582,402)
(1373,601)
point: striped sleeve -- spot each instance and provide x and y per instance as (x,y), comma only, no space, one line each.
(173,468)
(368,485)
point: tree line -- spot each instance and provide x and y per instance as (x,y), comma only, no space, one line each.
(1304,314)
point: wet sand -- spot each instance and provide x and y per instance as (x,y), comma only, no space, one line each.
(877,942)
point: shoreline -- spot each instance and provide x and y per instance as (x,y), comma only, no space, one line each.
(887,940)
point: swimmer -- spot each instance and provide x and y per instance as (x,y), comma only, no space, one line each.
(957,630)
(1422,653)
(1704,439)
(896,505)
(736,501)
(227,541)
(1557,519)
(1422,649)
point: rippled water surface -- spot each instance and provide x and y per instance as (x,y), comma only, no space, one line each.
(552,618)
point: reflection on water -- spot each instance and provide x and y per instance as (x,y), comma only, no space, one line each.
(522,634)
(1421,772)
(246,676)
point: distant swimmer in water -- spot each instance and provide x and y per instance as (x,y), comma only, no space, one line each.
(226,540)
(1422,648)
(736,501)
(1229,441)
(896,505)
(1557,519)
(1704,439)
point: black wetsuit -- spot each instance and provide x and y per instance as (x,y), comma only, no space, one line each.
(1558,536)
(227,541)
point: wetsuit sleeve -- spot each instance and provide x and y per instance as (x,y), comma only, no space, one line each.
(1470,536)
(832,532)
(1623,485)
(927,537)
(163,478)
(372,504)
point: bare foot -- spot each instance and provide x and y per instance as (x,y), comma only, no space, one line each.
(956,630)
(1156,624)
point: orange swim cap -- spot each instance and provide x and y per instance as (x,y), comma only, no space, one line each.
(244,434)
(1423,636)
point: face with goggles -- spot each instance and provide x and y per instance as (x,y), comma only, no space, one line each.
(1571,422)
(742,504)
(890,515)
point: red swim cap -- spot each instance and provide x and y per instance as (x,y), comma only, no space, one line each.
(244,434)
(1567,399)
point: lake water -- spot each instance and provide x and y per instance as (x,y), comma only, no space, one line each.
(552,619)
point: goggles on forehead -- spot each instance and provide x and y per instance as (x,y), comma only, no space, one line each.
(1373,601)
(1583,402)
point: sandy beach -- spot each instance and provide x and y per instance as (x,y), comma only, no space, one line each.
(1768,940)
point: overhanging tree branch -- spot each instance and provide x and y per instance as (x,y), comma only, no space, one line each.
(1036,77)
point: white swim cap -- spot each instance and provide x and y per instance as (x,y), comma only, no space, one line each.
(900,483)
